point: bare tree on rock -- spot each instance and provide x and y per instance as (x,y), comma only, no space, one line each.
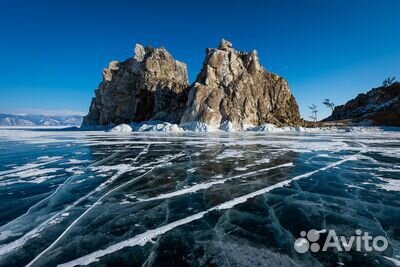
(329,104)
(314,112)
(388,81)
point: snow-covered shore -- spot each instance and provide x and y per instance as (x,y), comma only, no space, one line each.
(157,126)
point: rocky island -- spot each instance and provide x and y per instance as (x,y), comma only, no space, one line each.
(232,90)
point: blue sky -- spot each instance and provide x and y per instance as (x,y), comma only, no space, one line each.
(53,52)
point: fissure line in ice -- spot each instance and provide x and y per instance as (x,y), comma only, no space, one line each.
(99,200)
(147,236)
(203,186)
(6,248)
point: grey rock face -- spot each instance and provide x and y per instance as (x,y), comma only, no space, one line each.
(152,85)
(233,86)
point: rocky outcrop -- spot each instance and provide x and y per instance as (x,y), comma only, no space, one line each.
(232,90)
(379,106)
(151,85)
(233,87)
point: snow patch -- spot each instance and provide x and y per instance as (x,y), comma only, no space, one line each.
(157,127)
(389,184)
(266,128)
(77,161)
(227,126)
(32,172)
(230,153)
(261,161)
(197,126)
(122,128)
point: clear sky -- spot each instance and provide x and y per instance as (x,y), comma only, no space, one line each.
(52,52)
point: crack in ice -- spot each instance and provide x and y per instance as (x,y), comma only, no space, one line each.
(203,186)
(7,248)
(147,236)
(101,198)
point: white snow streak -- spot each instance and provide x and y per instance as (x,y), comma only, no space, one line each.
(28,166)
(147,236)
(203,186)
(162,162)
(6,248)
(394,261)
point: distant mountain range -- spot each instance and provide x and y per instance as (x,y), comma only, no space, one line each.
(39,120)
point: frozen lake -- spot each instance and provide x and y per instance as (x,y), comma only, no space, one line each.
(74,198)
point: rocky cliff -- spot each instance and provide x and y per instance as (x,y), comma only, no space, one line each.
(233,87)
(151,85)
(379,106)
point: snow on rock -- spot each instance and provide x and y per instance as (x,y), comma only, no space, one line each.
(227,126)
(122,128)
(268,127)
(300,129)
(361,129)
(196,126)
(158,127)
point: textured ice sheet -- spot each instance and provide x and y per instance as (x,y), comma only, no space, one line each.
(150,198)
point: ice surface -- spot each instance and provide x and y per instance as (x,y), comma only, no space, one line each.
(143,238)
(203,186)
(395,261)
(230,154)
(222,198)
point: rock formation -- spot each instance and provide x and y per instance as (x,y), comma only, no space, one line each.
(152,85)
(233,87)
(379,106)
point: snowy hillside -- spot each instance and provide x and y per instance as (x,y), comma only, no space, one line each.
(39,120)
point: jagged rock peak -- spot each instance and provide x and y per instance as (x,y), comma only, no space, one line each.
(224,45)
(108,72)
(151,85)
(157,61)
(139,52)
(229,62)
(233,86)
